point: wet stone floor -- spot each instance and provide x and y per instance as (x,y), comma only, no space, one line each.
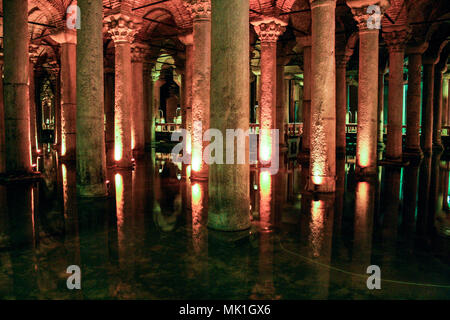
(149,240)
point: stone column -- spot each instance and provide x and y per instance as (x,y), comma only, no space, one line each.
(109,113)
(381,74)
(2,119)
(149,126)
(33,54)
(229,190)
(281,110)
(138,52)
(15,87)
(188,41)
(268,32)
(68,41)
(55,77)
(413,101)
(367,141)
(341,102)
(441,67)
(395,41)
(445,100)
(426,139)
(323,97)
(201,78)
(305,42)
(91,160)
(122,29)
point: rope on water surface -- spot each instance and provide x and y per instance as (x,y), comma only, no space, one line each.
(360,275)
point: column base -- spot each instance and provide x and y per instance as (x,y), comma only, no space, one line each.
(327,185)
(413,153)
(397,162)
(92,191)
(195,176)
(231,238)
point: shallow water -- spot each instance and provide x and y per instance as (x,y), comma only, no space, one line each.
(149,240)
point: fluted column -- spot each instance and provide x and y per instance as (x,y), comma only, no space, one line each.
(229,191)
(138,52)
(413,101)
(91,160)
(15,87)
(201,78)
(305,42)
(441,67)
(68,41)
(395,41)
(426,139)
(122,29)
(323,97)
(268,32)
(341,102)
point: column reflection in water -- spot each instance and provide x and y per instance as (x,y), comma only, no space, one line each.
(424,195)
(321,217)
(264,287)
(435,201)
(410,186)
(390,211)
(363,227)
(6,281)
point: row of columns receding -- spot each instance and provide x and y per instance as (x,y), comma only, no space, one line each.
(217,97)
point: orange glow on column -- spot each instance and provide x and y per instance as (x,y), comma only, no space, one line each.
(63,144)
(197,145)
(118,146)
(363,155)
(265,198)
(265,149)
(317,226)
(119,200)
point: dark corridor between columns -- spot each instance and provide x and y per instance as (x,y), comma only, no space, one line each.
(149,238)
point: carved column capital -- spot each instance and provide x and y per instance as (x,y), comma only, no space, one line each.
(199,9)
(138,52)
(269,30)
(365,17)
(121,28)
(397,39)
(342,60)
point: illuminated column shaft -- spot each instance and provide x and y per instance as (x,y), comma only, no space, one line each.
(281,110)
(323,97)
(268,33)
(201,80)
(138,114)
(187,91)
(122,29)
(445,100)
(229,190)
(32,101)
(2,120)
(15,87)
(413,101)
(437,105)
(149,126)
(341,102)
(366,145)
(381,109)
(68,41)
(395,41)
(306,43)
(109,114)
(426,138)
(91,160)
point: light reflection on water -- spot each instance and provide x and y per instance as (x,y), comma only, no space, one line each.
(153,227)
